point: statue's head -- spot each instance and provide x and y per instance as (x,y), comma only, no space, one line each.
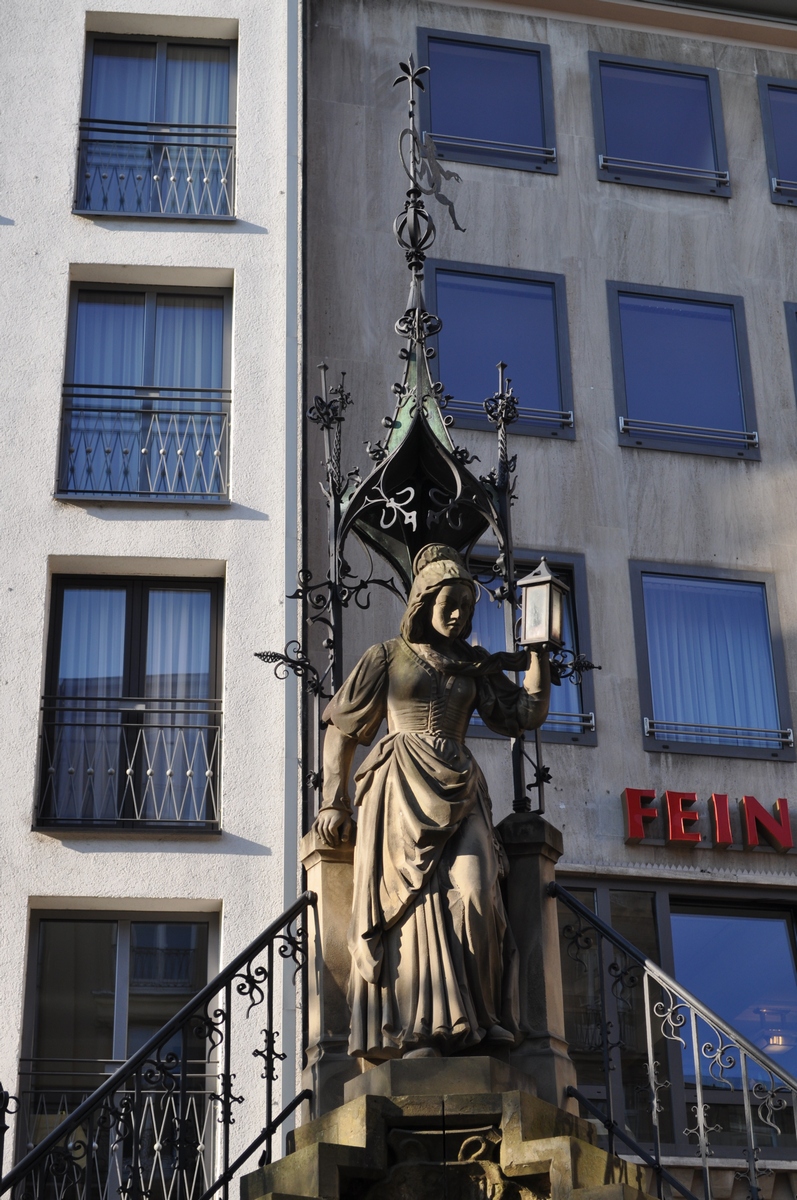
(442,597)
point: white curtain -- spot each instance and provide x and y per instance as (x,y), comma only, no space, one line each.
(710,654)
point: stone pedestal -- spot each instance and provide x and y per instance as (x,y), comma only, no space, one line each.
(465,1129)
(329,875)
(534,847)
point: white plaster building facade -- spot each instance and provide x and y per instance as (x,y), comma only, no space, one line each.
(223,267)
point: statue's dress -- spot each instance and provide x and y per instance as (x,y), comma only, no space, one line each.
(433,961)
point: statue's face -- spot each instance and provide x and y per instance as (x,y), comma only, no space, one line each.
(452,610)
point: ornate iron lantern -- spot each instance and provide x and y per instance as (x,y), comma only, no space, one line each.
(542,599)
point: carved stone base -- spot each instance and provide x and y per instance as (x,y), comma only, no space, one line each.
(465,1129)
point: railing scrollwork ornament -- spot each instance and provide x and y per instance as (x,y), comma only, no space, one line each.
(701,1129)
(771,1100)
(719,1057)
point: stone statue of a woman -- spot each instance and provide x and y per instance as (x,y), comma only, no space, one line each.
(433,962)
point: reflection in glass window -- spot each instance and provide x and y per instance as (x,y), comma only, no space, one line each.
(710,659)
(488,631)
(488,319)
(656,116)
(783,109)
(741,964)
(487,103)
(680,364)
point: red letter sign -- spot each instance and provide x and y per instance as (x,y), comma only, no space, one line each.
(635,814)
(721,820)
(678,815)
(776,829)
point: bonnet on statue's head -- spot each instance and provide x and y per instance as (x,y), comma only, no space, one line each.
(435,566)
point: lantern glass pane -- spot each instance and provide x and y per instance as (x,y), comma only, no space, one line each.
(556,615)
(536,613)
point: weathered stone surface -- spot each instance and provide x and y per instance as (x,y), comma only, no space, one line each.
(506,1144)
(438,1077)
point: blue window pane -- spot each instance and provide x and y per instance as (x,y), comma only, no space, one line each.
(710,656)
(122,81)
(488,631)
(197,85)
(189,341)
(783,107)
(657,116)
(681,362)
(487,320)
(743,968)
(491,93)
(109,339)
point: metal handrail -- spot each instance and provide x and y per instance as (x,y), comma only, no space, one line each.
(240,967)
(106,124)
(678,1012)
(607,161)
(784,185)
(629,425)
(584,722)
(704,729)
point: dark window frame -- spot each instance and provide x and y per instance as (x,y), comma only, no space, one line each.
(639,177)
(209,917)
(137,589)
(652,743)
(526,427)
(150,292)
(765,82)
(462,153)
(681,444)
(575,565)
(161,43)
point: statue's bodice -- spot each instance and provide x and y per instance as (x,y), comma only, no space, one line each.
(421,699)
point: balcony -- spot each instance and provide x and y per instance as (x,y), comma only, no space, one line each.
(130,763)
(145,169)
(144,443)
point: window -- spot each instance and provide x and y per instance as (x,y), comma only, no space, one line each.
(682,377)
(516,317)
(146,405)
(131,723)
(157,135)
(571,717)
(658,125)
(711,672)
(99,988)
(737,956)
(779,116)
(488,100)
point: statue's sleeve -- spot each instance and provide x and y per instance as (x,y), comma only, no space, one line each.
(360,706)
(507,708)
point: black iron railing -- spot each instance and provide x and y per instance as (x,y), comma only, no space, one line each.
(140,168)
(144,443)
(669,1080)
(130,762)
(170,1123)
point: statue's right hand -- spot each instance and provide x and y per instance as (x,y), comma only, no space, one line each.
(333,826)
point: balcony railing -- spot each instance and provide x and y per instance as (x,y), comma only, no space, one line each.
(130,763)
(144,443)
(139,168)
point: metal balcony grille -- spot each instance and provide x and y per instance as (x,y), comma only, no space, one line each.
(609,163)
(445,141)
(734,735)
(570,723)
(693,433)
(144,443)
(140,168)
(472,411)
(130,763)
